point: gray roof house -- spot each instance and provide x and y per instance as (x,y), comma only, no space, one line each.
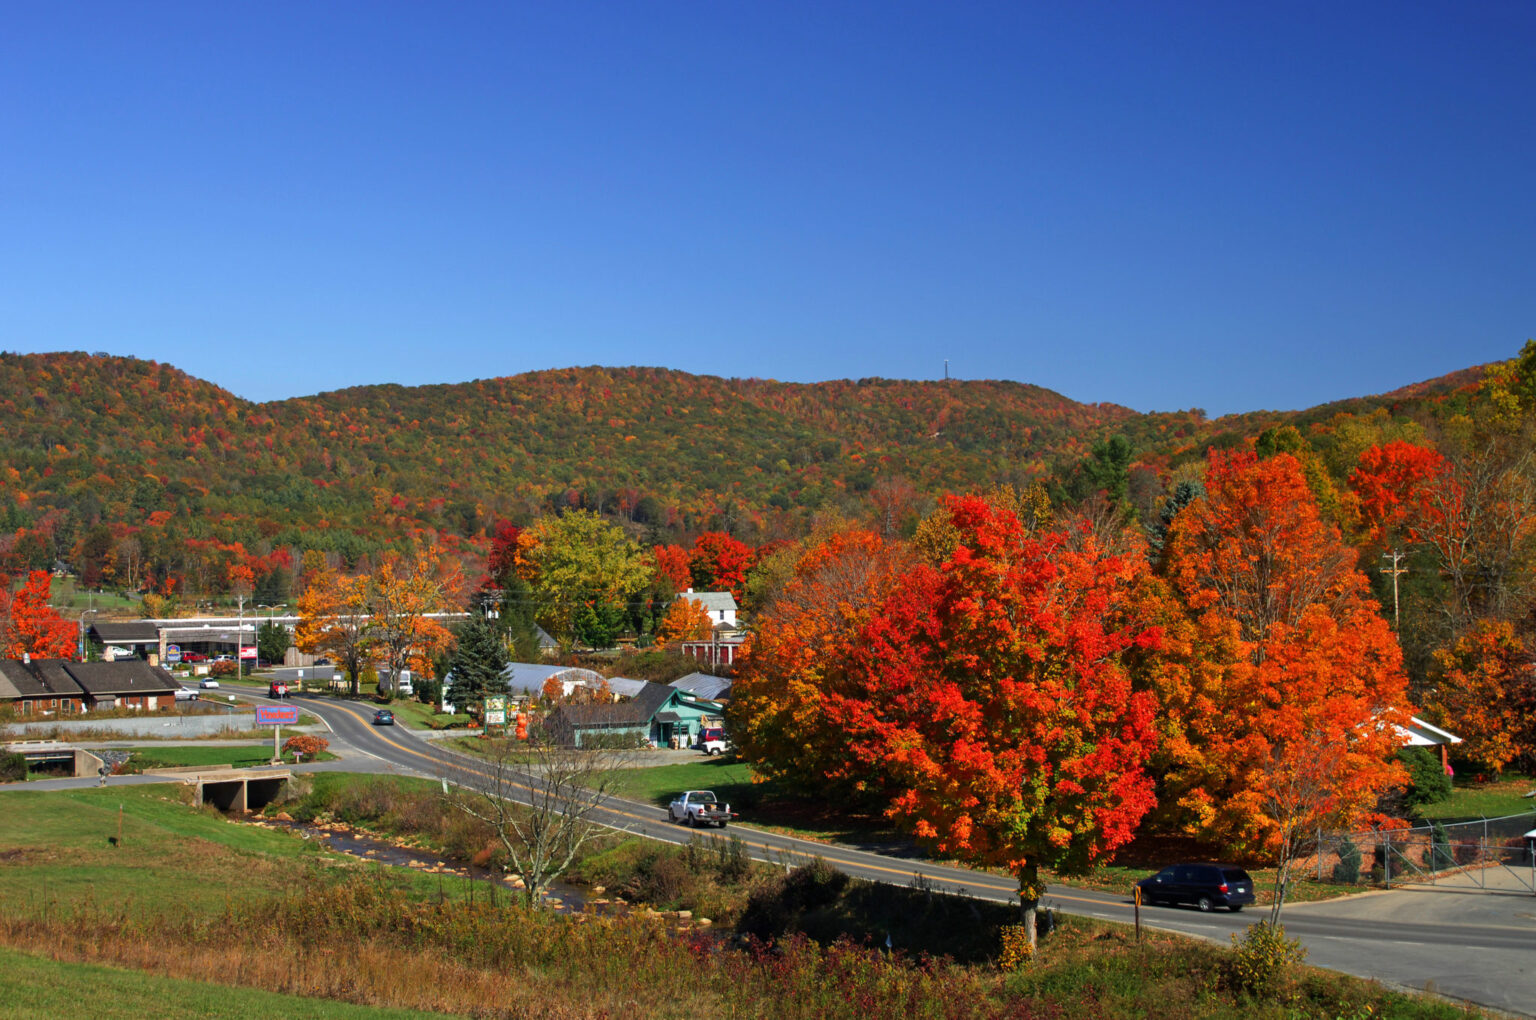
(703,685)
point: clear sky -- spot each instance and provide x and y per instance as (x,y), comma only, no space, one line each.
(1225,205)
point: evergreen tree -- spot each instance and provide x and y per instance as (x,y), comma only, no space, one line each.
(477,663)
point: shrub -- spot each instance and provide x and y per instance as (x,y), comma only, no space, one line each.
(13,768)
(1427,781)
(306,744)
(1261,956)
(223,667)
(723,859)
(1347,871)
(1014,950)
(660,879)
(1440,857)
(771,911)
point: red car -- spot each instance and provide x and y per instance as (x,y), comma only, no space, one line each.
(193,657)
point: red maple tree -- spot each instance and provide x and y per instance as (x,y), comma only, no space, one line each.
(993,694)
(29,625)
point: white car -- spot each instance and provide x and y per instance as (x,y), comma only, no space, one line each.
(208,683)
(185,694)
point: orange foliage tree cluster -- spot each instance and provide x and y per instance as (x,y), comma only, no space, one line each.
(1489,688)
(29,626)
(1009,693)
(385,618)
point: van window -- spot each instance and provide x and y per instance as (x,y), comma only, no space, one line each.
(1236,875)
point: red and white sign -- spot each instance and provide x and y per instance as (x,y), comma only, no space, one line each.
(248,653)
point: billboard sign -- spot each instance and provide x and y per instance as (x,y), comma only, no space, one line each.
(172,653)
(248,652)
(496,711)
(277,715)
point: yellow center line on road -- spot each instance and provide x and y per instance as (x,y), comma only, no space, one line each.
(766,848)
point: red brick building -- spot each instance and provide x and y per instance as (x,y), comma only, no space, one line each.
(44,687)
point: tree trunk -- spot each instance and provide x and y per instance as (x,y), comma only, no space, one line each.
(1030,890)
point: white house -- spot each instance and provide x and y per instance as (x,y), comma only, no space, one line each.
(720,605)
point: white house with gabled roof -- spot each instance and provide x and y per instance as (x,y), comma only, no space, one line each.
(720,605)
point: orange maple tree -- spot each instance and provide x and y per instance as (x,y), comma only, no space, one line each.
(994,695)
(1488,693)
(1283,654)
(798,646)
(686,620)
(29,625)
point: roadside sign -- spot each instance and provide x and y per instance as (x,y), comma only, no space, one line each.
(248,652)
(277,715)
(496,711)
(172,653)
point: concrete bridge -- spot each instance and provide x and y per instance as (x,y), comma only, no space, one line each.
(230,789)
(56,752)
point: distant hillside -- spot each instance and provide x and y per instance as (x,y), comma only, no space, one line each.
(138,448)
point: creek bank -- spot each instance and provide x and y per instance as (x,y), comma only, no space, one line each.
(361,845)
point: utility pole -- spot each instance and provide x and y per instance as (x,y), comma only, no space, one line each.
(1396,572)
(239,637)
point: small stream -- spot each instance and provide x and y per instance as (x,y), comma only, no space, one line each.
(342,839)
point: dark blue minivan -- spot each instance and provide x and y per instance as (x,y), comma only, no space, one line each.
(1204,885)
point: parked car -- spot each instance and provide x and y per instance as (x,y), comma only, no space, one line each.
(277,689)
(712,740)
(383,717)
(208,683)
(193,657)
(1205,885)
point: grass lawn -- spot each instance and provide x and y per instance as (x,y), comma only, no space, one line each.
(58,844)
(36,988)
(412,713)
(66,596)
(178,757)
(1493,799)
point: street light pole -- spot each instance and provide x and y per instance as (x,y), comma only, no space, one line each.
(83,615)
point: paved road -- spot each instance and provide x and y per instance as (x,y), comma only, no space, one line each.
(1475,945)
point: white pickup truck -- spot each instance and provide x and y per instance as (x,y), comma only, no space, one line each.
(699,807)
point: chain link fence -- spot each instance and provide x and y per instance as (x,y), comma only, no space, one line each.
(1441,852)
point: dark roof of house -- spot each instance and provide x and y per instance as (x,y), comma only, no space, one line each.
(20,680)
(137,632)
(636,711)
(130,676)
(56,677)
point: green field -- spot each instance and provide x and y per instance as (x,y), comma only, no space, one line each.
(1493,799)
(35,988)
(187,756)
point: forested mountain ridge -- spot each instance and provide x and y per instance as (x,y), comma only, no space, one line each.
(96,449)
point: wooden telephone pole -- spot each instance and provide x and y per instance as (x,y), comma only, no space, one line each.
(1396,572)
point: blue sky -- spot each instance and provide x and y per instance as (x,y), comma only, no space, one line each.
(1229,206)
